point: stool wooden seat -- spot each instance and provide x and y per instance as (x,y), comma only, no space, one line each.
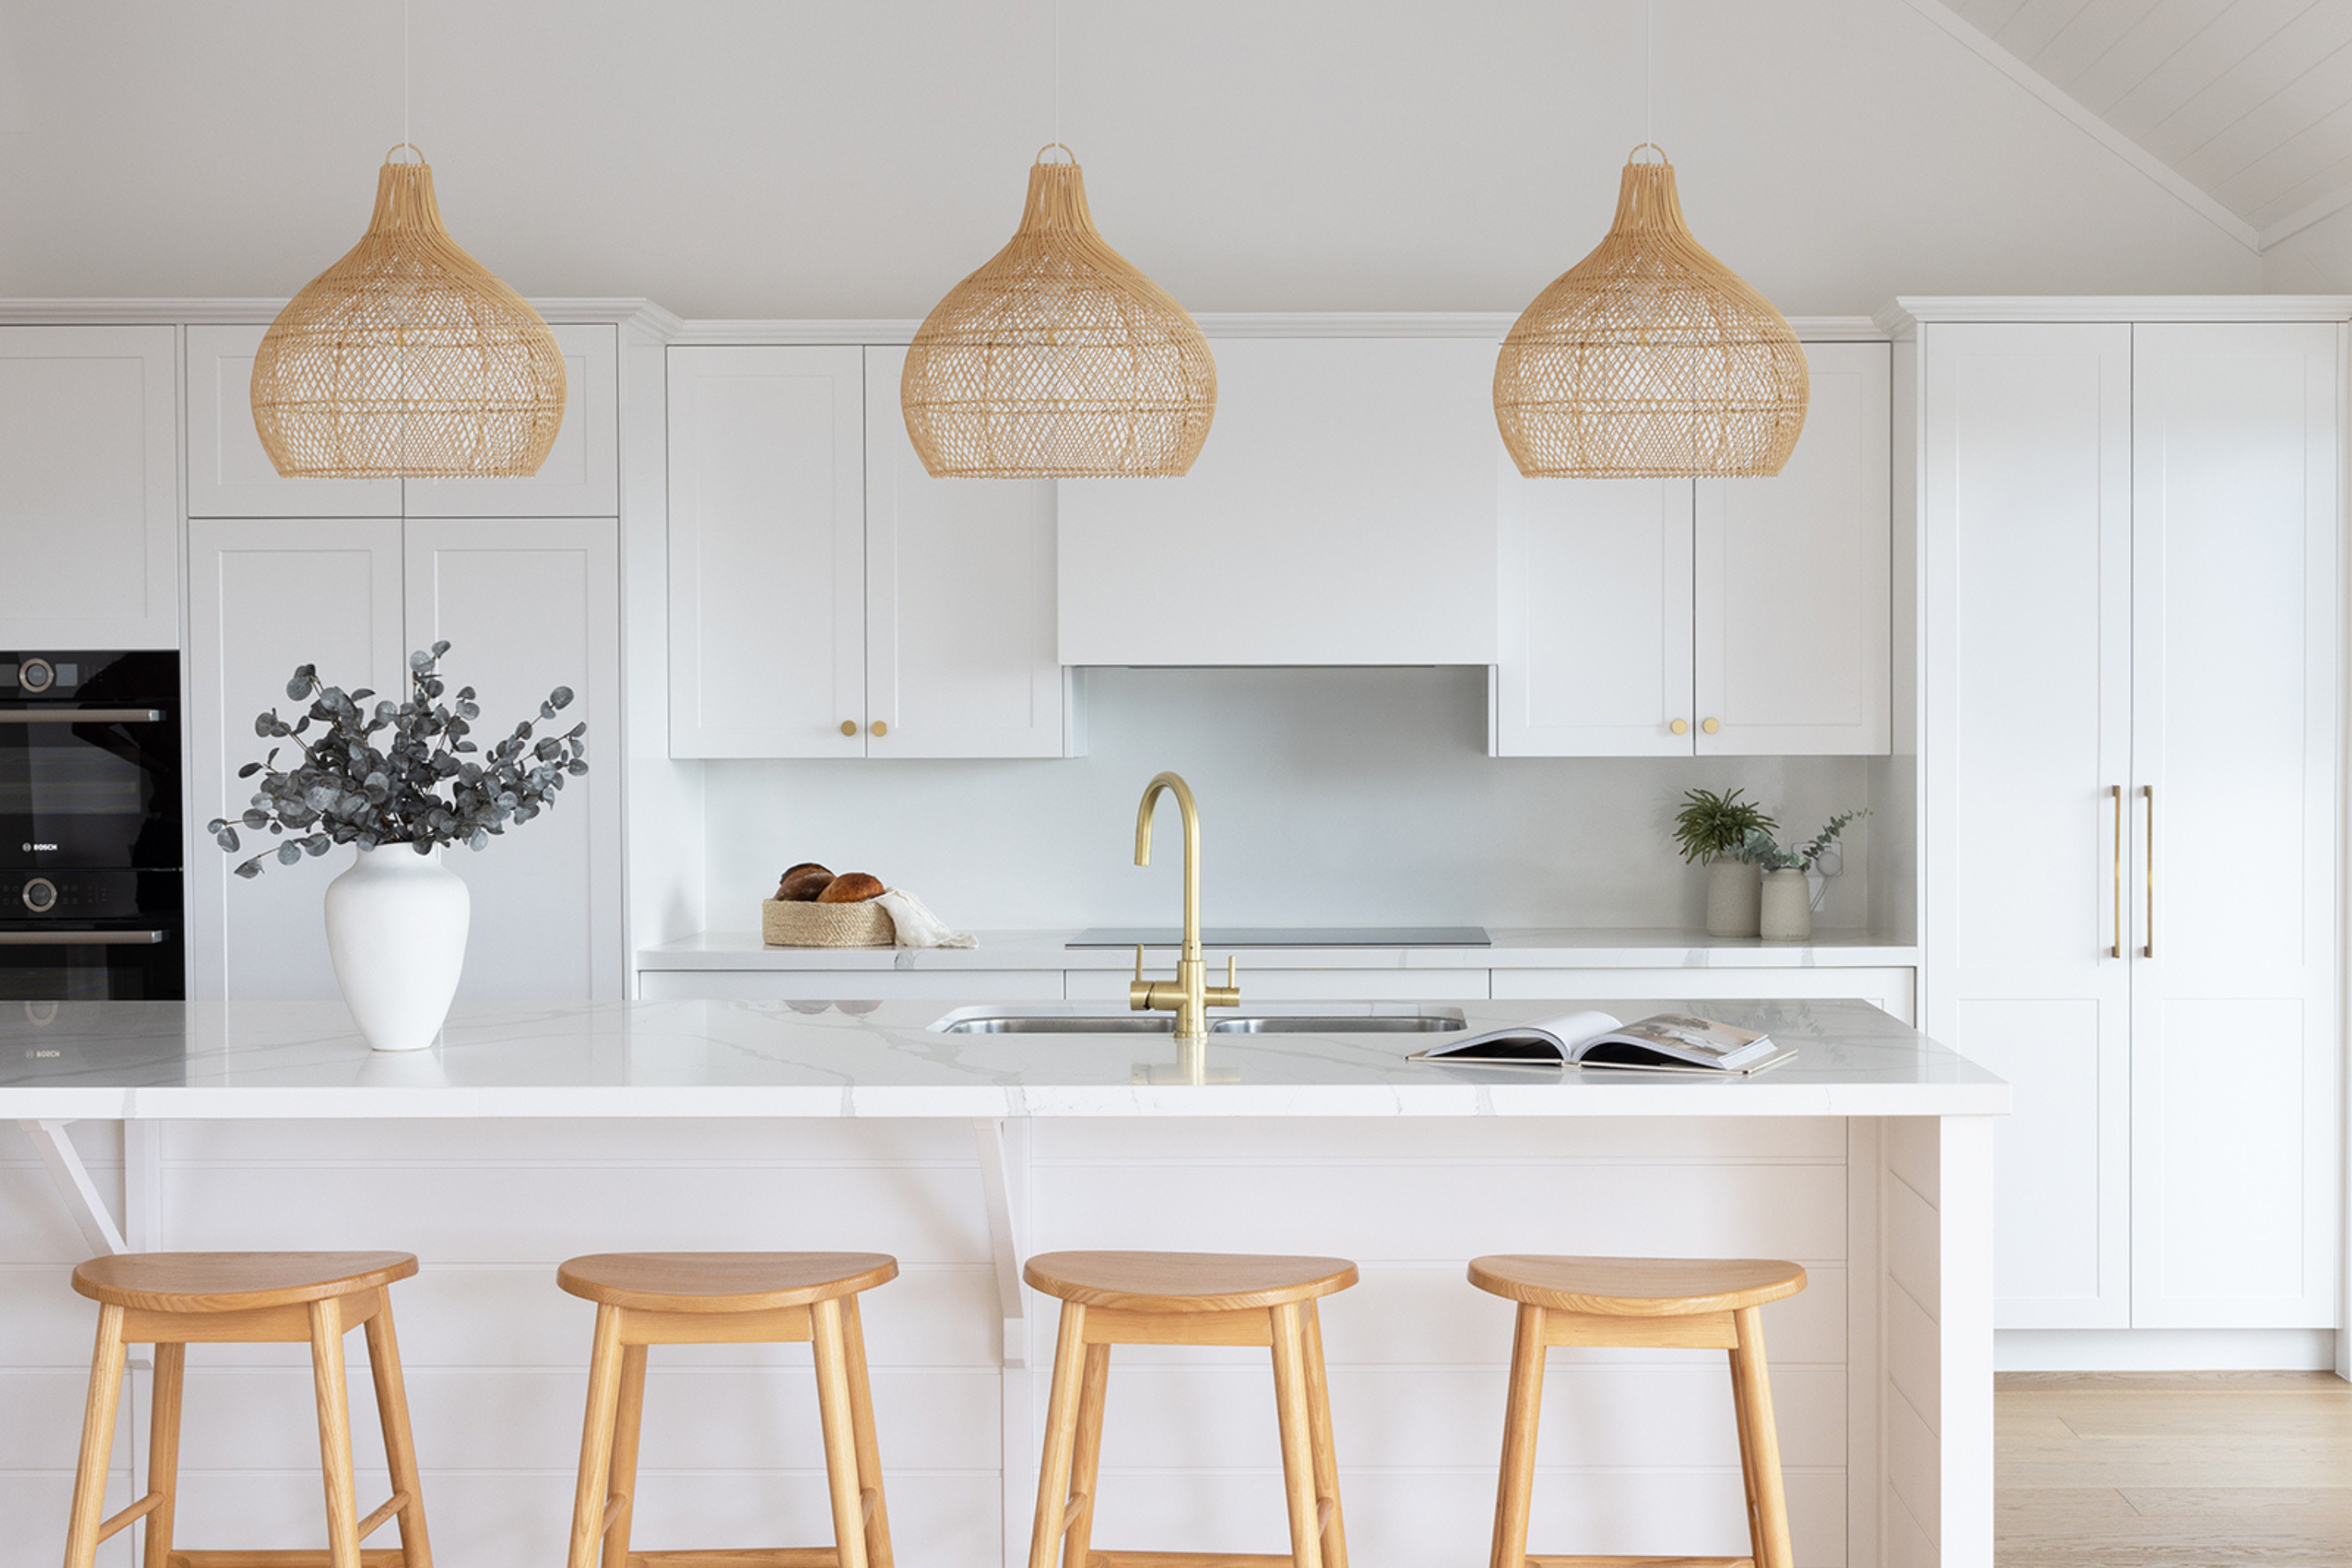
(1186,1298)
(1687,1303)
(172,1299)
(727,1298)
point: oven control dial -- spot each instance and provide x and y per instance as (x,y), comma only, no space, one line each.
(35,675)
(40,895)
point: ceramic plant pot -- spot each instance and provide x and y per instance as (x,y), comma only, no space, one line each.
(1787,912)
(396,927)
(1732,888)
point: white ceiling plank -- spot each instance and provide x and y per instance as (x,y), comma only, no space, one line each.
(2168,27)
(2240,30)
(2319,209)
(2037,22)
(1991,15)
(2282,140)
(2096,28)
(2073,109)
(2288,75)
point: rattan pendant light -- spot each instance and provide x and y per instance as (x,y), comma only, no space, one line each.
(407,357)
(1649,357)
(1057,358)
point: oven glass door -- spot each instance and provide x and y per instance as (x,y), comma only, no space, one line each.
(82,786)
(127,964)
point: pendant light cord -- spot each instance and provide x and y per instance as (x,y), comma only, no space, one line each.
(1057,69)
(1649,90)
(403,73)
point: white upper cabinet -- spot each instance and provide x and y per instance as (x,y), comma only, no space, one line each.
(766,552)
(1717,618)
(228,473)
(528,605)
(1342,513)
(1791,605)
(958,600)
(582,475)
(2235,749)
(89,487)
(2030,837)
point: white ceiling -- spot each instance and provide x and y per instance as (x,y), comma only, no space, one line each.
(2249,101)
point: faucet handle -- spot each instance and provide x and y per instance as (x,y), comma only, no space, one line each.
(1229,973)
(1138,960)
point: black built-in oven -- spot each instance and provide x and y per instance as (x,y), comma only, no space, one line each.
(90,829)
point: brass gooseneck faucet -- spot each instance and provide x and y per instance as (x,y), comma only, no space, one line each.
(1191,996)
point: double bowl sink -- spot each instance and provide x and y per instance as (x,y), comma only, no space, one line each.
(1008,1023)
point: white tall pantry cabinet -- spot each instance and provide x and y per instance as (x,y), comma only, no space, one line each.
(2132,646)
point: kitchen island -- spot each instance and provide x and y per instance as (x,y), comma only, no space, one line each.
(533,1133)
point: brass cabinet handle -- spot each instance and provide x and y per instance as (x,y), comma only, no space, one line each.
(1680,726)
(1709,725)
(2148,792)
(849,726)
(2116,793)
(880,728)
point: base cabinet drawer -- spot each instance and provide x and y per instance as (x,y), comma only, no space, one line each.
(1894,991)
(850,985)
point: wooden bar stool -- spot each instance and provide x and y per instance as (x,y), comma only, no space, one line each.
(173,1300)
(727,1298)
(1186,1298)
(1675,1303)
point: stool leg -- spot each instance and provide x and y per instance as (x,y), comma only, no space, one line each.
(620,1483)
(1760,1447)
(1085,1458)
(334,1433)
(97,1441)
(869,1450)
(1326,1454)
(399,1442)
(1061,1437)
(163,1450)
(596,1437)
(833,1404)
(1298,1445)
(1521,1410)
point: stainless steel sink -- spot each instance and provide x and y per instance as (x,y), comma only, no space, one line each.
(1163,1024)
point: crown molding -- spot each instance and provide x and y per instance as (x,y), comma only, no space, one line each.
(1902,317)
(1488,325)
(165,311)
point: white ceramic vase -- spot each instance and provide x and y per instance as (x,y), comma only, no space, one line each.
(396,927)
(1787,908)
(1731,897)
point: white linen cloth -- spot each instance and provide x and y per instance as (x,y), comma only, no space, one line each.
(917,926)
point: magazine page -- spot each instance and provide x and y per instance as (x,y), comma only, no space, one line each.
(1546,1042)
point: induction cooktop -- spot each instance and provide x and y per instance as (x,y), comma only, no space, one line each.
(1288,936)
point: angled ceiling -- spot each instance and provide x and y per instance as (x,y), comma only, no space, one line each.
(2248,101)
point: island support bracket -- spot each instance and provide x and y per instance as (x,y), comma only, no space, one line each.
(1004,1193)
(56,1148)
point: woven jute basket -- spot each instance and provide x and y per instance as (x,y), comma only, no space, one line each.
(865,924)
(1650,358)
(1057,358)
(407,357)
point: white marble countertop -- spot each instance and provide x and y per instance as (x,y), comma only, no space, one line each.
(304,1059)
(1521,947)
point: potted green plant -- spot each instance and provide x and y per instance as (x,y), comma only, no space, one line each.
(1785,912)
(1716,831)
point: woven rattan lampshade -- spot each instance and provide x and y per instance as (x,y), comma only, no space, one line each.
(1058,359)
(1649,357)
(407,357)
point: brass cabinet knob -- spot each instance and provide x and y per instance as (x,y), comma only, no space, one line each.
(880,728)
(1680,726)
(1709,725)
(849,726)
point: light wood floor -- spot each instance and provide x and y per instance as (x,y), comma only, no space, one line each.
(2173,1470)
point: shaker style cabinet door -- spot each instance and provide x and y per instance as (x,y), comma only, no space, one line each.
(1594,617)
(263,597)
(528,605)
(581,476)
(229,475)
(1793,595)
(958,600)
(89,495)
(2029,659)
(2235,753)
(766,552)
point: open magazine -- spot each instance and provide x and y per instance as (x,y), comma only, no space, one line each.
(1663,1042)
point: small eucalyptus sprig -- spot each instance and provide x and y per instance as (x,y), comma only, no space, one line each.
(1762,848)
(403,774)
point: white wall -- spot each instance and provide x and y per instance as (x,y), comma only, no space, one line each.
(1342,797)
(2318,260)
(744,158)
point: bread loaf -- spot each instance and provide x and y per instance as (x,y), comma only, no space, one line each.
(802,883)
(851,888)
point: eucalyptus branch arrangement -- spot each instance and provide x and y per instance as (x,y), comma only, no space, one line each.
(1762,847)
(398,774)
(1711,827)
